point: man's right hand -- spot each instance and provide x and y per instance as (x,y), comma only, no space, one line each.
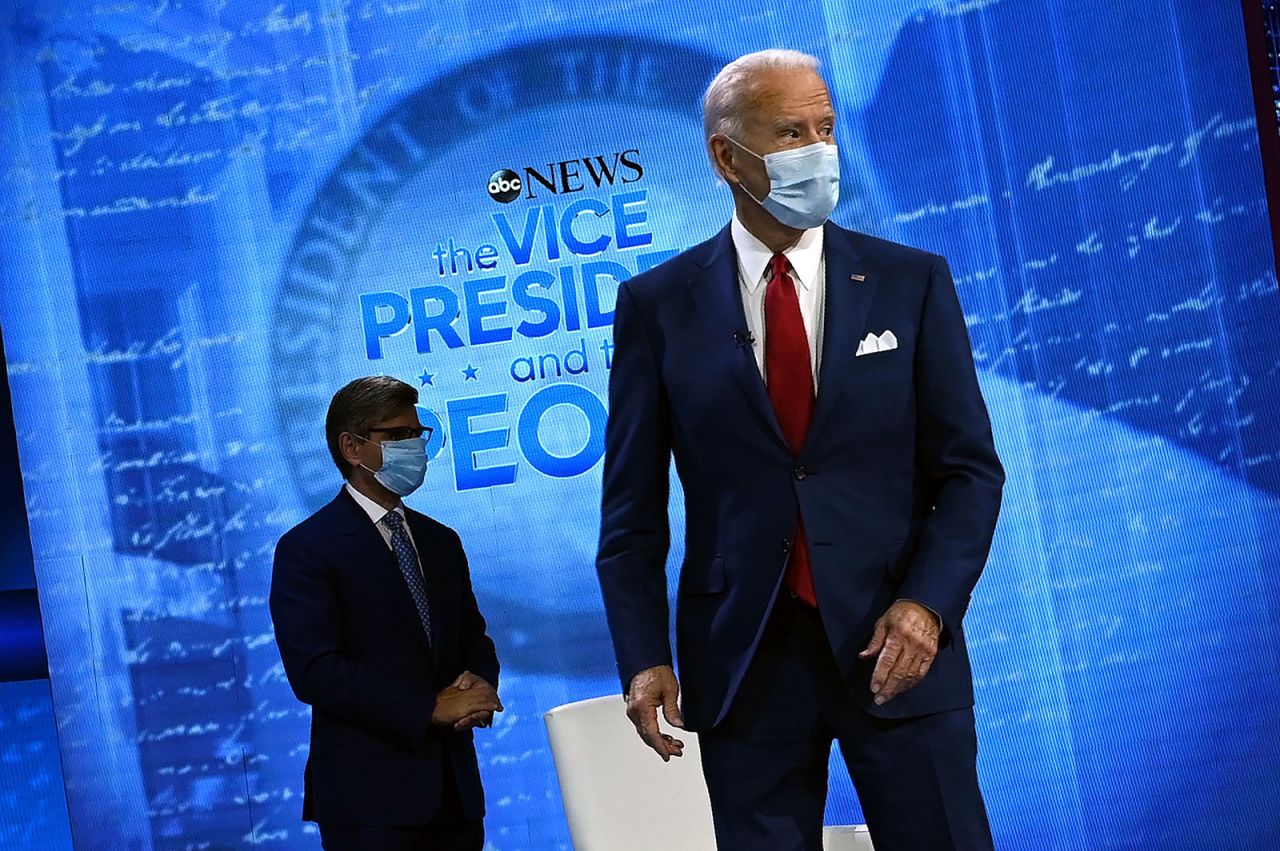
(649,689)
(454,703)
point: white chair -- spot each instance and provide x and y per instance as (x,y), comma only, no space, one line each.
(618,796)
(849,837)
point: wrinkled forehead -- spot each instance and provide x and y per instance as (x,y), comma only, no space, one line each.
(775,93)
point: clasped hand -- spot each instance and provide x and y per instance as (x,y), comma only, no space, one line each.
(468,702)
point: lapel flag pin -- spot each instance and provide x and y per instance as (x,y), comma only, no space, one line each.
(858,278)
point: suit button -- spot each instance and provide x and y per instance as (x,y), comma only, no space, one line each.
(800,473)
(786,545)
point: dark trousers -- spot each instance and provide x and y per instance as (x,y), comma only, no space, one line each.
(766,763)
(449,830)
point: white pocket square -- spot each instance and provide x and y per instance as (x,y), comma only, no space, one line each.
(871,344)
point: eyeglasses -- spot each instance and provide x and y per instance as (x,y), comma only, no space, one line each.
(405,432)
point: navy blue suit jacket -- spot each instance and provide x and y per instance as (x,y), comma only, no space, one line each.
(354,649)
(898,483)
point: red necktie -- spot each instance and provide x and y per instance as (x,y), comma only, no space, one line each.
(789,375)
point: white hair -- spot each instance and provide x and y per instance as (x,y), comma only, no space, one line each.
(724,105)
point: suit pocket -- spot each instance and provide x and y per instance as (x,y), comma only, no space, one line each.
(329,734)
(898,558)
(697,577)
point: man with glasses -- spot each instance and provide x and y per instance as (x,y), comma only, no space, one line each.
(380,634)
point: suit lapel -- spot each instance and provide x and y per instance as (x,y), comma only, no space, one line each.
(848,301)
(718,296)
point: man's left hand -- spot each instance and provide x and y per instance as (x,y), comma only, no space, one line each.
(906,637)
(467,680)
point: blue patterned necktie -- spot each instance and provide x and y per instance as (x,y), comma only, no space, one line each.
(408,560)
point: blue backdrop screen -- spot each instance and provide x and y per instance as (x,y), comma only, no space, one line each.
(215,214)
(33,810)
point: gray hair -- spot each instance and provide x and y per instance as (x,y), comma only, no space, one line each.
(361,405)
(724,104)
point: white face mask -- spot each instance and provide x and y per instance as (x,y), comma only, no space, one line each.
(804,184)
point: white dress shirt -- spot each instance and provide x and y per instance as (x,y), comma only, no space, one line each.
(808,271)
(377,513)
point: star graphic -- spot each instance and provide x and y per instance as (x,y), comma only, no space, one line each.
(469,374)
(426,378)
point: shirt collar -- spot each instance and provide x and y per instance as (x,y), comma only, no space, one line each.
(754,256)
(376,512)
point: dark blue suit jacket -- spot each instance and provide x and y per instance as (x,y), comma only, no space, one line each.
(898,483)
(354,649)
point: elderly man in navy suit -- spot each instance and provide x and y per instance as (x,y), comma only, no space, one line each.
(817,390)
(380,633)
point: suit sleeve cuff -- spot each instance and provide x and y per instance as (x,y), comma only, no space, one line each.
(944,633)
(629,674)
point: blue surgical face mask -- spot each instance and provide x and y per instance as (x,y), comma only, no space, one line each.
(804,184)
(404,464)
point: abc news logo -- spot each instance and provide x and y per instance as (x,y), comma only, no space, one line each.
(505,185)
(567,176)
